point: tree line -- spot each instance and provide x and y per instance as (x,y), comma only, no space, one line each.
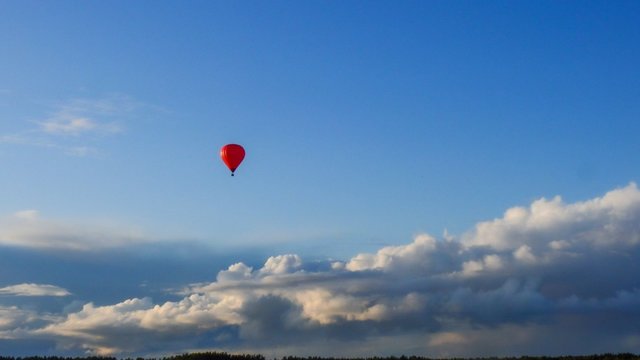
(226,356)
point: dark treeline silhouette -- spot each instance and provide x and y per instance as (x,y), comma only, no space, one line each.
(225,356)
(621,356)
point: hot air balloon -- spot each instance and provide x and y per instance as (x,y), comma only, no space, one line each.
(232,155)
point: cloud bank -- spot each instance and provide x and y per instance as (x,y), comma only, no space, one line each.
(29,230)
(551,278)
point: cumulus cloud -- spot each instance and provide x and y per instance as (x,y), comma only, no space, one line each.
(282,264)
(28,229)
(11,318)
(513,285)
(34,290)
(610,220)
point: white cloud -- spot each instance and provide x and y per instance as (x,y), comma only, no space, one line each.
(71,124)
(88,116)
(13,317)
(15,322)
(600,221)
(68,126)
(524,254)
(235,272)
(491,262)
(324,307)
(28,229)
(559,244)
(28,215)
(424,252)
(517,282)
(78,127)
(282,264)
(34,290)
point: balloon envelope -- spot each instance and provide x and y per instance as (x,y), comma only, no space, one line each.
(232,155)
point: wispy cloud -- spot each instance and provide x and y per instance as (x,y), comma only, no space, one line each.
(514,285)
(34,290)
(69,126)
(34,139)
(102,116)
(77,126)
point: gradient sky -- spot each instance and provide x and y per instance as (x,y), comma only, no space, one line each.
(440,178)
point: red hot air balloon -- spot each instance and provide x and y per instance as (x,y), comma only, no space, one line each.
(232,155)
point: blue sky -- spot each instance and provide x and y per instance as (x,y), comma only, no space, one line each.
(371,129)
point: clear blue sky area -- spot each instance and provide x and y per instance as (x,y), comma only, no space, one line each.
(365,120)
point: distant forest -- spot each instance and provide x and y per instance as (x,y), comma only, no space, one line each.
(225,356)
